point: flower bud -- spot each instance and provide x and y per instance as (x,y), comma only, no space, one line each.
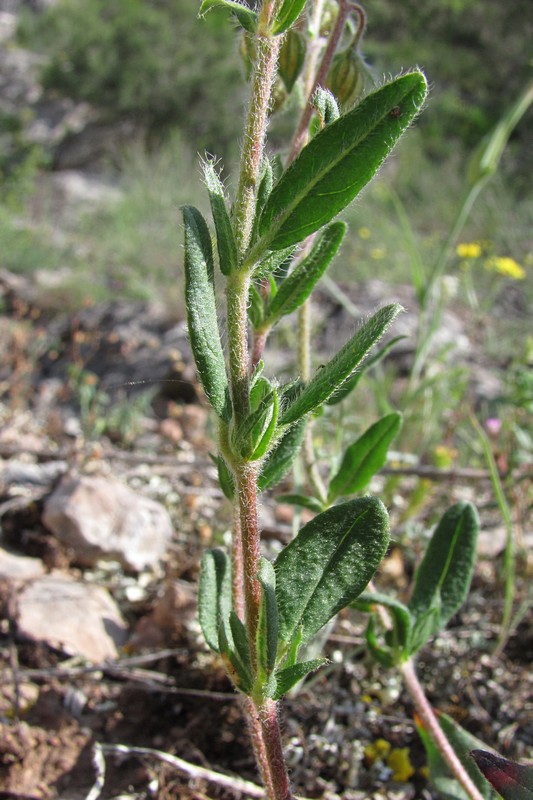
(291,58)
(345,78)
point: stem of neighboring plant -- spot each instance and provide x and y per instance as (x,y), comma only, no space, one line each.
(345,9)
(508,555)
(426,714)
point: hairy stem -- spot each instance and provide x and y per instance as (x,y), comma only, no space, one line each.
(267,49)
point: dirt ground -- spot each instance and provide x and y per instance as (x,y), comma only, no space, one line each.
(167,693)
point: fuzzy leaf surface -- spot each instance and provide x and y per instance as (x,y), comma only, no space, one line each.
(349,385)
(281,458)
(287,15)
(341,366)
(333,168)
(364,457)
(299,284)
(246,17)
(290,676)
(226,245)
(443,577)
(214,595)
(267,630)
(201,311)
(328,565)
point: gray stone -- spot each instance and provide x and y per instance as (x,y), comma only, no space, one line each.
(77,618)
(101,518)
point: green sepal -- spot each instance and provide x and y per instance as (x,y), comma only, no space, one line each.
(289,676)
(341,366)
(299,284)
(333,168)
(214,595)
(281,458)
(267,629)
(328,564)
(349,385)
(246,17)
(511,780)
(364,457)
(287,15)
(201,312)
(291,58)
(462,742)
(225,477)
(226,244)
(443,578)
(302,500)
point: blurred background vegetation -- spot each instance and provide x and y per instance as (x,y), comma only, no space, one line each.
(180,83)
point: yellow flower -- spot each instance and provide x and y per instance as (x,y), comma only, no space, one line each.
(468,250)
(506,266)
(399,762)
(377,253)
(364,233)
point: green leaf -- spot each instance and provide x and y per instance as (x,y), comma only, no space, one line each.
(302,500)
(225,477)
(281,458)
(511,780)
(201,311)
(256,307)
(349,385)
(333,168)
(443,578)
(226,245)
(299,284)
(340,367)
(274,261)
(328,565)
(364,457)
(462,742)
(290,676)
(267,629)
(398,639)
(247,18)
(240,640)
(264,438)
(287,15)
(214,595)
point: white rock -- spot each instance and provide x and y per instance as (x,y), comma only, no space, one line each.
(102,518)
(77,618)
(19,568)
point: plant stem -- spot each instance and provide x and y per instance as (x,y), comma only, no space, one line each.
(267,49)
(262,719)
(508,555)
(426,714)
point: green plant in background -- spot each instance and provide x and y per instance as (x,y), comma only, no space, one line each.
(273,242)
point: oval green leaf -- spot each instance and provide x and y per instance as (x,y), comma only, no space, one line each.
(364,457)
(328,565)
(333,168)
